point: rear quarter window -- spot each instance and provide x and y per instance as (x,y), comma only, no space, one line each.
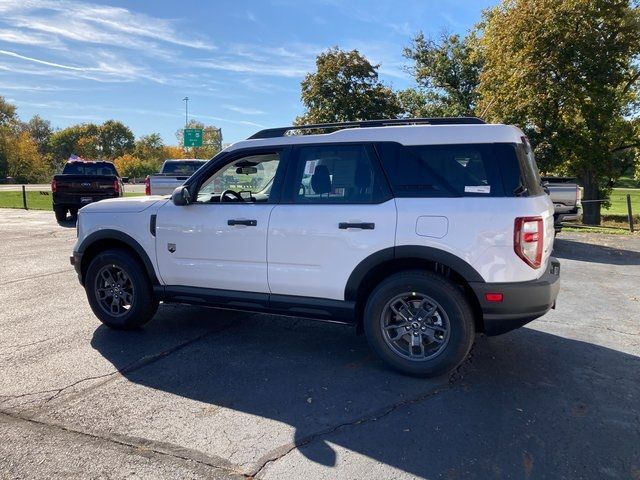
(464,170)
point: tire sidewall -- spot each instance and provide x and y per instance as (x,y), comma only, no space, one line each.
(452,301)
(144,304)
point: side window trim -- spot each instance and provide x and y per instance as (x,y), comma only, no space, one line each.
(290,190)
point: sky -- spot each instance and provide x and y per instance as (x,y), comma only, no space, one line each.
(239,62)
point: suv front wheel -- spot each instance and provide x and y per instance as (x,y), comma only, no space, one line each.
(420,323)
(119,291)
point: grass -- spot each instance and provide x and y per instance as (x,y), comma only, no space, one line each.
(618,202)
(35,200)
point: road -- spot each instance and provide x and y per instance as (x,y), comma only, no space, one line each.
(202,393)
(45,187)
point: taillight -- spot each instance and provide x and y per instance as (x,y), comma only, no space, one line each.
(528,240)
(116,186)
(147,185)
(54,186)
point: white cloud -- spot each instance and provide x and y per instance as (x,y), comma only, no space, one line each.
(244,110)
(91,23)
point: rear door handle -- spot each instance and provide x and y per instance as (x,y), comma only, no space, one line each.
(248,223)
(361,225)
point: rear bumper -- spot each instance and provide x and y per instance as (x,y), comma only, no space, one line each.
(75,200)
(522,301)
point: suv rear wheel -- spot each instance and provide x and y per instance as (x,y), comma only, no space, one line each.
(119,291)
(419,323)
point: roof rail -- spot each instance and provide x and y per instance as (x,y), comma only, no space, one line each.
(282,131)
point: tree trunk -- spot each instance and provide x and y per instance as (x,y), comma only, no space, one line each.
(591,210)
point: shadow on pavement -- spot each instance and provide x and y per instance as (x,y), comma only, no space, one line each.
(589,252)
(526,404)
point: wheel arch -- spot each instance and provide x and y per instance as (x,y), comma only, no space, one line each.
(106,239)
(380,265)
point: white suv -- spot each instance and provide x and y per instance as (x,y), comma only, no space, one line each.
(419,232)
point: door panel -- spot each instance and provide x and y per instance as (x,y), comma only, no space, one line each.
(310,255)
(210,253)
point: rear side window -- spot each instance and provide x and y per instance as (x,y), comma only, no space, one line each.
(338,174)
(465,170)
(531,181)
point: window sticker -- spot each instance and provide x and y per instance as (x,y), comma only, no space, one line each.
(477,189)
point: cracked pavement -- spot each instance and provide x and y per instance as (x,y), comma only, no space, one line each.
(202,393)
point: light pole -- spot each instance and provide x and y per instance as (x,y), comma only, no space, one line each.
(186,111)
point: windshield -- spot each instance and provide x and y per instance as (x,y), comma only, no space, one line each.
(182,167)
(81,168)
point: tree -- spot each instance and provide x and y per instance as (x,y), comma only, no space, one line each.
(8,119)
(149,147)
(567,73)
(7,112)
(40,131)
(80,139)
(345,87)
(447,73)
(133,167)
(173,151)
(211,140)
(114,139)
(24,162)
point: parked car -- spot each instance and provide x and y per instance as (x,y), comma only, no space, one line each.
(421,233)
(566,196)
(172,174)
(83,182)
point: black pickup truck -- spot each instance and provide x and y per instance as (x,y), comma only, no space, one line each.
(83,182)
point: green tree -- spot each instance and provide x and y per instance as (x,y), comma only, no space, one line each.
(211,140)
(8,120)
(447,73)
(149,147)
(69,141)
(40,131)
(344,87)
(567,73)
(114,139)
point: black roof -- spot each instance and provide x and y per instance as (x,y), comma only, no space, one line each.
(282,131)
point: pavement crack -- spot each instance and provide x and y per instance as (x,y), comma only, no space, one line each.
(283,451)
(23,345)
(135,365)
(135,444)
(24,279)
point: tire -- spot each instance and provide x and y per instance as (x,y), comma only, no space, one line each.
(73,212)
(444,338)
(61,214)
(135,305)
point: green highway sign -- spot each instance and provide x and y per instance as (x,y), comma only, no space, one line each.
(192,137)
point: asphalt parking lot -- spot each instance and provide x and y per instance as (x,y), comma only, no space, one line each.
(202,393)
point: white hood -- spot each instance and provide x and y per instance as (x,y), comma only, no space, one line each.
(123,204)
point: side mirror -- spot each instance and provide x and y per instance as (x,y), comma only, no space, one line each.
(181,196)
(124,179)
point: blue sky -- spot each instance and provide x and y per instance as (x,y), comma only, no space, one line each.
(239,62)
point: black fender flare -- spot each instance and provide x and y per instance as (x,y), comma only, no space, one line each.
(422,252)
(117,235)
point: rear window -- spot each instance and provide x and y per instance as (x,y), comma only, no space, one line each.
(78,168)
(181,168)
(465,170)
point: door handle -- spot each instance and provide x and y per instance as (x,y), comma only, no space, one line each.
(361,225)
(248,223)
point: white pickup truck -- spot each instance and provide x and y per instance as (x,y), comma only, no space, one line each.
(174,172)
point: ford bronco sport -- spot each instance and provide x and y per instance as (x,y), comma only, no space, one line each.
(419,232)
